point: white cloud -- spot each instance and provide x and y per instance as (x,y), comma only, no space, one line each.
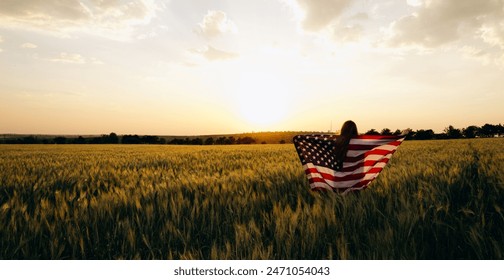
(474,28)
(493,34)
(436,23)
(28,46)
(216,23)
(95,60)
(62,17)
(1,39)
(69,58)
(348,33)
(414,3)
(475,53)
(212,54)
(319,14)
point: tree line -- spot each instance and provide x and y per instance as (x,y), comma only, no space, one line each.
(450,132)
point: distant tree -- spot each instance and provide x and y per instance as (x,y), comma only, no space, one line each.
(452,133)
(112,138)
(386,131)
(29,140)
(176,141)
(60,140)
(196,141)
(220,141)
(470,131)
(229,140)
(488,130)
(500,129)
(397,132)
(372,131)
(130,139)
(282,141)
(209,141)
(424,134)
(245,140)
(79,140)
(149,139)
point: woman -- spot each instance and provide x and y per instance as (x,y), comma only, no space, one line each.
(348,130)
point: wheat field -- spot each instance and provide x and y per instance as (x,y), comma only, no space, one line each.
(434,200)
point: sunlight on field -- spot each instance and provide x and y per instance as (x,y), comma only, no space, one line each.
(435,200)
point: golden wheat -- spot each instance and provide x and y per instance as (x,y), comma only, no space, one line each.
(435,200)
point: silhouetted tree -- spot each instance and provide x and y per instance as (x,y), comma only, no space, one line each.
(130,139)
(488,130)
(245,140)
(209,141)
(386,131)
(470,131)
(196,141)
(60,140)
(372,131)
(149,139)
(452,133)
(112,138)
(79,140)
(424,134)
(29,140)
(220,141)
(500,129)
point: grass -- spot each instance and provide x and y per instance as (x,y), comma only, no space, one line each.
(435,200)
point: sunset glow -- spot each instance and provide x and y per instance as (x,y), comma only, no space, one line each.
(209,67)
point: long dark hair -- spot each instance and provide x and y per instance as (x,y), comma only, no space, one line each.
(348,130)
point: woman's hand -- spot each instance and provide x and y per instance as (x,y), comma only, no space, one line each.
(405,132)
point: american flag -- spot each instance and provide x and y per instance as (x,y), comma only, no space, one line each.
(366,157)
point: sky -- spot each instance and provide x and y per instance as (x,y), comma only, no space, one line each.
(199,67)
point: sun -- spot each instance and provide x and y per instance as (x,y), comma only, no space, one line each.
(263,98)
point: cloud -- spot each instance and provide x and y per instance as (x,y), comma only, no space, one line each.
(348,33)
(214,24)
(63,16)
(436,23)
(319,14)
(28,46)
(213,54)
(71,58)
(1,39)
